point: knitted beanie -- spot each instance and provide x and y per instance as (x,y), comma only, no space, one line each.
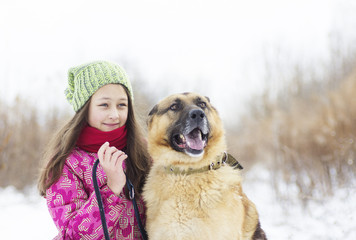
(86,79)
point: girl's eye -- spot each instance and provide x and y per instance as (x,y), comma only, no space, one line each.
(104,105)
(202,104)
(122,105)
(174,107)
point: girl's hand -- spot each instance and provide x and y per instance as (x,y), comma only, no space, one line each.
(111,160)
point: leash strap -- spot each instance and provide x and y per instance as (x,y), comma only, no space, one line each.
(137,214)
(101,206)
(100,202)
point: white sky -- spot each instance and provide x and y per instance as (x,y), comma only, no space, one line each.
(215,47)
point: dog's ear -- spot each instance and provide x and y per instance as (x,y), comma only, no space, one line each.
(154,110)
(207,98)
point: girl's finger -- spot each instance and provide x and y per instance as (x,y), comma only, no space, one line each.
(116,155)
(102,150)
(109,152)
(119,156)
(121,159)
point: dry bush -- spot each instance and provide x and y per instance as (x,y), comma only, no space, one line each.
(307,135)
(23,135)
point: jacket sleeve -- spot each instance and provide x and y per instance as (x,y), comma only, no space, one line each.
(75,213)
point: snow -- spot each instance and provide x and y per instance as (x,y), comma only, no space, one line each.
(328,218)
(25,215)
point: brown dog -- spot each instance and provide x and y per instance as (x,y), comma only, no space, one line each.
(192,192)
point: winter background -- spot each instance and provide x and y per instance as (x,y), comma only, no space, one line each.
(215,47)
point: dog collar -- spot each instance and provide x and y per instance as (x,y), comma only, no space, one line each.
(223,159)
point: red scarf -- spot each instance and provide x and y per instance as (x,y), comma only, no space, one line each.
(91,139)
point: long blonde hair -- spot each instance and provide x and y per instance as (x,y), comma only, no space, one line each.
(64,141)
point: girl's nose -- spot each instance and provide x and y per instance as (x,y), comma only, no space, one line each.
(114,114)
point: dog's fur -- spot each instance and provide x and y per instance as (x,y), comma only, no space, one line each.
(203,205)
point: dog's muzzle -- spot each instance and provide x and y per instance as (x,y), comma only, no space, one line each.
(192,137)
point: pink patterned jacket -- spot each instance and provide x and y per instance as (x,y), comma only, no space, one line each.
(73,206)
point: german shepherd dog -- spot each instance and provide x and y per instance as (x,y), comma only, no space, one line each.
(193,190)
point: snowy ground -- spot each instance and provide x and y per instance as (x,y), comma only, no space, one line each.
(25,216)
(331,218)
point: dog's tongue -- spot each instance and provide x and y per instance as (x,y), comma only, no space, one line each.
(194,140)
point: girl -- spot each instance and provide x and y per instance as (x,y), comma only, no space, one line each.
(104,127)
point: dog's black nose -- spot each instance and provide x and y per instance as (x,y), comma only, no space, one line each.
(196,114)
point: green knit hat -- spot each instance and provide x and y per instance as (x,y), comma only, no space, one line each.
(86,79)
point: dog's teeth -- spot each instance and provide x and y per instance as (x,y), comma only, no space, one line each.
(200,136)
(181,136)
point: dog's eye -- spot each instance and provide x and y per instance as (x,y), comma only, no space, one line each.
(174,107)
(202,105)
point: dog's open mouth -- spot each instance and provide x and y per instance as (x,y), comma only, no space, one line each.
(192,143)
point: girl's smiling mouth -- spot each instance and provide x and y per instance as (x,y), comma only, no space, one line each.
(112,125)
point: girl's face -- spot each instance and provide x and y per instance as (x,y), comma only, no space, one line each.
(108,108)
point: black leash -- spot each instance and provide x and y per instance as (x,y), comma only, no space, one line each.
(101,207)
(100,202)
(132,197)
